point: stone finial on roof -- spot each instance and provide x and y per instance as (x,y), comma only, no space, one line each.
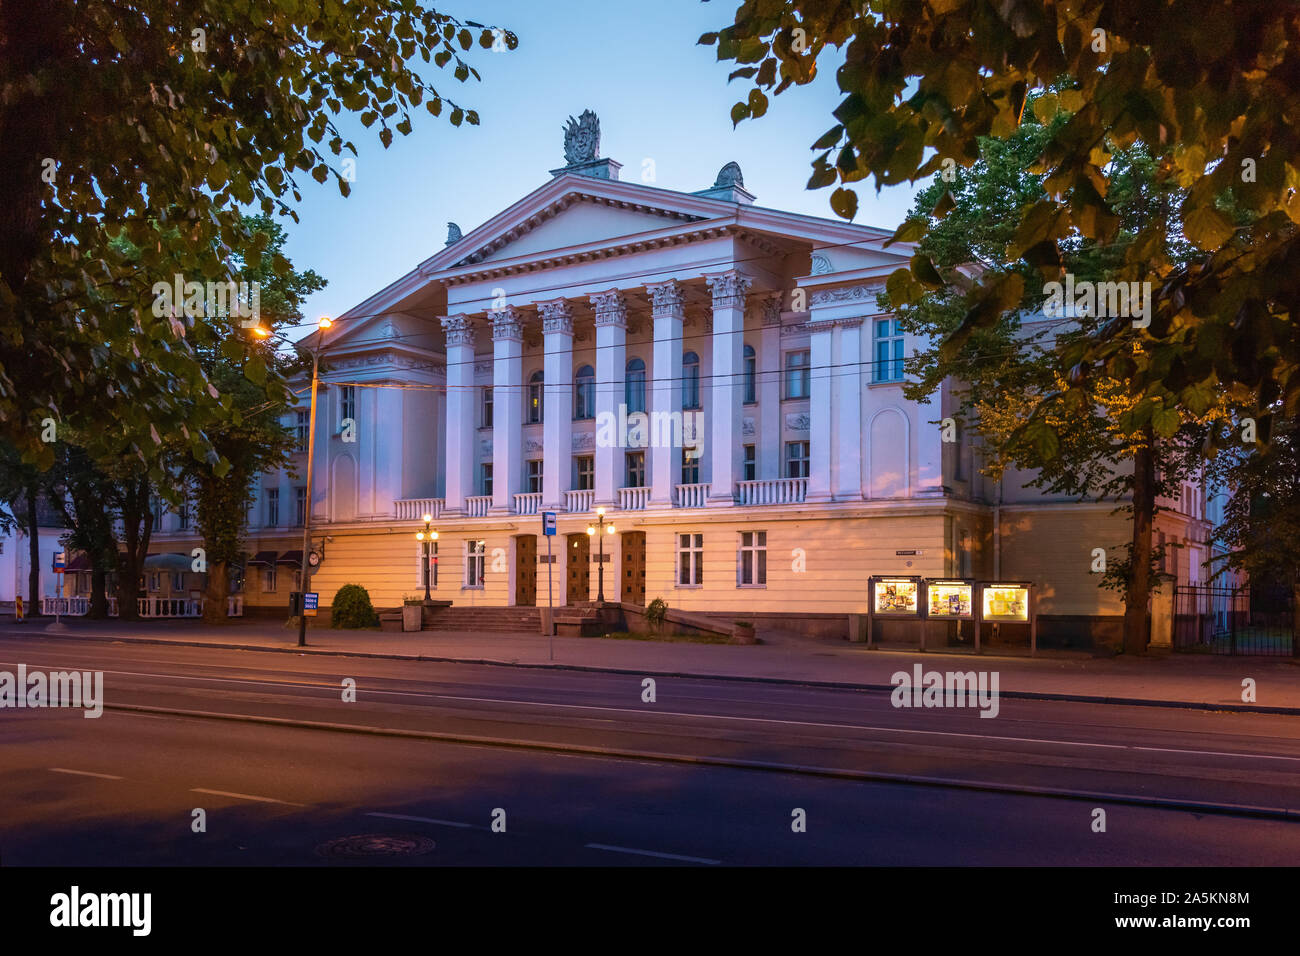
(453,233)
(729,175)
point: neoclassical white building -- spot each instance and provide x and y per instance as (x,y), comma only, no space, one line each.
(716,375)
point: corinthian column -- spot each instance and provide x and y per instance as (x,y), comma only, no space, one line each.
(665,399)
(507,406)
(729,291)
(459,461)
(611,359)
(557,409)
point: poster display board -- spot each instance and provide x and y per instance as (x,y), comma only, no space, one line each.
(1006,603)
(952,600)
(897,596)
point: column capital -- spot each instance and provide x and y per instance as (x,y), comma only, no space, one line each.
(458,328)
(667,298)
(507,324)
(729,288)
(770,309)
(611,308)
(557,316)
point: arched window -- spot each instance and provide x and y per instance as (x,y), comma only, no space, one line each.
(634,387)
(584,393)
(535,398)
(751,375)
(690,380)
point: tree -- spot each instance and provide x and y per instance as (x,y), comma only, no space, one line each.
(1210,91)
(253,375)
(1082,442)
(20,489)
(81,492)
(116,119)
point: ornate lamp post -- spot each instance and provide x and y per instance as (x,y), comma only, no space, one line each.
(427,536)
(593,532)
(305,575)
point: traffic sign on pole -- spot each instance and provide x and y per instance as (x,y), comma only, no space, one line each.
(548,523)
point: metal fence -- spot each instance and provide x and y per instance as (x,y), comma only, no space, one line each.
(1221,620)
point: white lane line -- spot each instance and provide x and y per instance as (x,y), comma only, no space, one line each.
(760,720)
(85,773)
(245,796)
(662,856)
(442,823)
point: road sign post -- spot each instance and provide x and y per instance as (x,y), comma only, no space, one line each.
(60,565)
(548,531)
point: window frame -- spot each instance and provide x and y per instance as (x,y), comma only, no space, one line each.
(590,473)
(689,548)
(752,545)
(474,564)
(691,381)
(749,462)
(534,470)
(486,407)
(798,463)
(749,362)
(584,394)
(535,399)
(800,388)
(890,367)
(628,459)
(634,385)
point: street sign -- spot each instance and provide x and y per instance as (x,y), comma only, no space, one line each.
(311,601)
(548,522)
(60,561)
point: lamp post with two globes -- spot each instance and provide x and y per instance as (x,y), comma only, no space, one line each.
(427,537)
(600,536)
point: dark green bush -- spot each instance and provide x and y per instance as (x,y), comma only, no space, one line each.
(352,608)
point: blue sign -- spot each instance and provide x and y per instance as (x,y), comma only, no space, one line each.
(548,522)
(61,560)
(310,603)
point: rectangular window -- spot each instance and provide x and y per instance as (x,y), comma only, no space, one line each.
(796,459)
(348,402)
(690,560)
(797,374)
(299,507)
(487,407)
(752,572)
(485,478)
(183,516)
(178,582)
(155,581)
(635,470)
(268,579)
(156,510)
(690,466)
(300,430)
(889,351)
(272,507)
(751,375)
(475,559)
(749,464)
(584,478)
(533,411)
(535,475)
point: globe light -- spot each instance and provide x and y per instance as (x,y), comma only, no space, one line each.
(260,332)
(591,531)
(324,322)
(600,512)
(419,536)
(609,529)
(428,518)
(433,536)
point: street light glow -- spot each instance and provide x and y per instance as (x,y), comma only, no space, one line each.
(324,322)
(591,531)
(261,333)
(600,512)
(428,518)
(419,536)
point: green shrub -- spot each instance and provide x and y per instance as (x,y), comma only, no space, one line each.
(656,611)
(352,608)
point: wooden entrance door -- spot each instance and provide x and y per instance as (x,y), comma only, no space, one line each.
(578,569)
(526,570)
(633,591)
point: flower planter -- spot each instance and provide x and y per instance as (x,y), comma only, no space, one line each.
(412,617)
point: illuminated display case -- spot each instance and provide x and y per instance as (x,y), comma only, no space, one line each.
(950,600)
(896,596)
(1005,602)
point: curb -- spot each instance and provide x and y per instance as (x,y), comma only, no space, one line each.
(738,678)
(862,776)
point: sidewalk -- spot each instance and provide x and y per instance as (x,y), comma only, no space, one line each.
(1158,679)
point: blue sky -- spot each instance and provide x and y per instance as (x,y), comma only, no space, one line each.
(659,96)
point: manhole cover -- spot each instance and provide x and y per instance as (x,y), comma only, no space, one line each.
(370,845)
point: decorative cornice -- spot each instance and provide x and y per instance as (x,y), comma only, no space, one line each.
(845,294)
(822,325)
(482,367)
(557,316)
(729,289)
(507,325)
(459,330)
(667,299)
(611,308)
(794,328)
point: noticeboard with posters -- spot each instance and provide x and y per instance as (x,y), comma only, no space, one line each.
(952,600)
(896,596)
(1005,602)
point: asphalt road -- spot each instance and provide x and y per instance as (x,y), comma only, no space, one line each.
(581,770)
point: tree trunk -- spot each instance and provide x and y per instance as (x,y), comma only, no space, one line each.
(1137,624)
(137,528)
(98,609)
(1295,616)
(33,555)
(214,593)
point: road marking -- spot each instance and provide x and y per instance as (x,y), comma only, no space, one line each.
(443,823)
(85,773)
(662,856)
(704,716)
(245,796)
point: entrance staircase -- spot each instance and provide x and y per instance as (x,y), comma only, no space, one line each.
(465,618)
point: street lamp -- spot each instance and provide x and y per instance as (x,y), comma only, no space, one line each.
(592,532)
(427,536)
(305,575)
